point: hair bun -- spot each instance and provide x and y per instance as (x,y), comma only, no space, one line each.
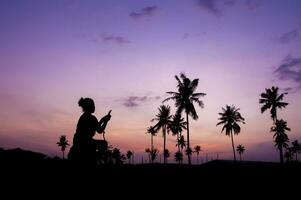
(81,102)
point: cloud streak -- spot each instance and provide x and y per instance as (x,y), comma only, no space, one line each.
(210,6)
(144,12)
(289,36)
(290,69)
(216,7)
(134,101)
(114,39)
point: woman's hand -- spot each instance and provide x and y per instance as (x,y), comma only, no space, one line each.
(106,118)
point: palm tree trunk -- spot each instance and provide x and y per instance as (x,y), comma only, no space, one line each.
(178,141)
(188,143)
(63,155)
(281,154)
(198,158)
(233,146)
(164,145)
(152,146)
(240,156)
(296,156)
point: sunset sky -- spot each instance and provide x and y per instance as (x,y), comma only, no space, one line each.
(125,53)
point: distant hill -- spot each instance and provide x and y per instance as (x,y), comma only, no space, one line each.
(19,154)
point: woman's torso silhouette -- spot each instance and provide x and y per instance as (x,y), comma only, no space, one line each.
(84,146)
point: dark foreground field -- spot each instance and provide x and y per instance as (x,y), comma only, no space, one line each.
(52,176)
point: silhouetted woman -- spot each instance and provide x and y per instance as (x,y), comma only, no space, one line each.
(84,147)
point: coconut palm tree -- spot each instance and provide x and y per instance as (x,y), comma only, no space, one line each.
(181,143)
(163,119)
(184,99)
(166,154)
(153,154)
(288,155)
(270,99)
(230,117)
(280,137)
(148,151)
(197,150)
(179,157)
(176,126)
(240,149)
(129,155)
(63,143)
(296,148)
(151,130)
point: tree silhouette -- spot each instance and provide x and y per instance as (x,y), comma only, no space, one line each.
(272,100)
(179,157)
(63,143)
(296,148)
(118,156)
(188,151)
(148,151)
(166,154)
(184,99)
(197,150)
(181,143)
(153,133)
(153,154)
(240,149)
(280,137)
(230,117)
(288,154)
(163,119)
(176,126)
(129,155)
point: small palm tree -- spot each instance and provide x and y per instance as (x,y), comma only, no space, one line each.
(188,151)
(129,155)
(163,119)
(288,155)
(230,117)
(240,149)
(296,148)
(154,153)
(281,138)
(176,126)
(197,150)
(184,99)
(181,143)
(148,151)
(166,154)
(272,100)
(179,157)
(63,143)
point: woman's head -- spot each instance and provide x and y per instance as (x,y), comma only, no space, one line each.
(87,105)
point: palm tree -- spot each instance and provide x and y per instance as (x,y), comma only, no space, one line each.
(63,143)
(163,119)
(154,153)
(272,100)
(148,151)
(166,154)
(288,154)
(281,138)
(240,149)
(197,150)
(179,157)
(129,155)
(176,126)
(296,148)
(184,99)
(230,117)
(181,143)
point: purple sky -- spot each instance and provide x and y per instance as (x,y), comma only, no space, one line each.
(124,54)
